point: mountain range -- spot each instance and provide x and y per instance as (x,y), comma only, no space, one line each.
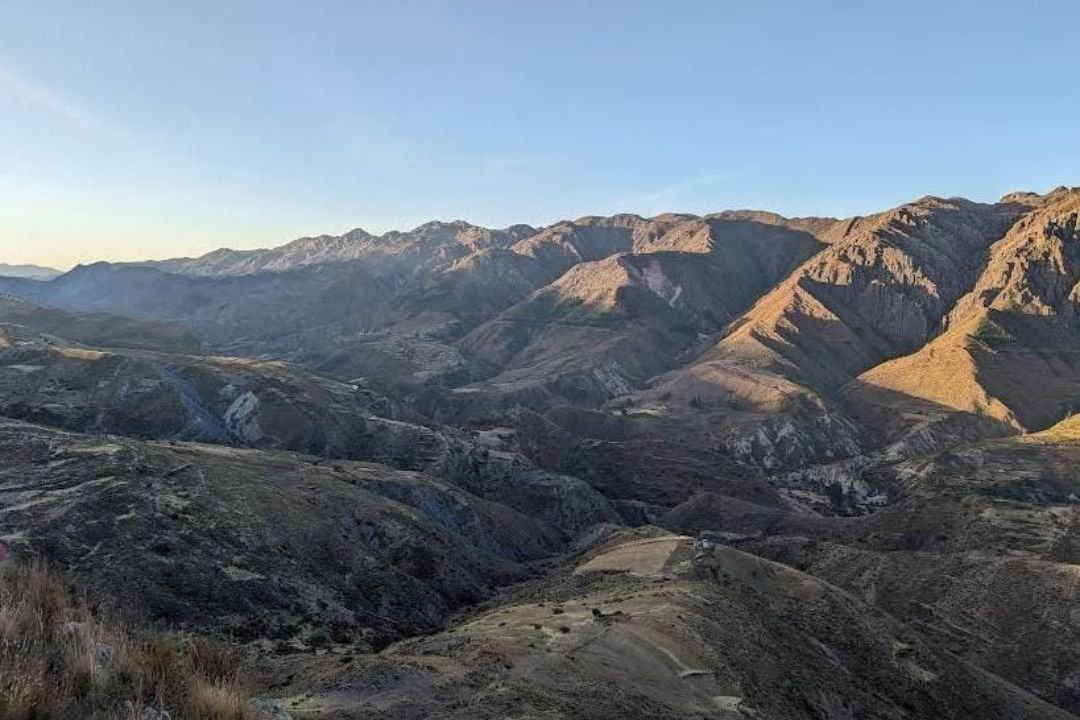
(722,466)
(34,272)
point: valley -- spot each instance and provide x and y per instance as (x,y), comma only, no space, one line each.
(724,466)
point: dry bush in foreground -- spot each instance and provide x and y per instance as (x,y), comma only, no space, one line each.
(59,660)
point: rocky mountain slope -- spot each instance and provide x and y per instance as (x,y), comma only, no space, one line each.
(735,465)
(259,545)
(649,626)
(1011,350)
(255,404)
(977,549)
(879,290)
(638,309)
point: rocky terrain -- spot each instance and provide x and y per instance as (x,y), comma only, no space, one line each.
(647,625)
(722,466)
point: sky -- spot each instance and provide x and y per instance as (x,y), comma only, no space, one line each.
(136,130)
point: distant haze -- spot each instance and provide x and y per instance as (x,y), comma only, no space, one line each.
(151,130)
(34,272)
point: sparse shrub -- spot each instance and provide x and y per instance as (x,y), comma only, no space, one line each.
(837,497)
(989,332)
(61,661)
(215,700)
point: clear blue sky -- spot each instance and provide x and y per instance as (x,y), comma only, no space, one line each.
(134,129)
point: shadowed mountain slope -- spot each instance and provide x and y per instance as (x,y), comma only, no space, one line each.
(97,329)
(977,547)
(635,311)
(768,388)
(878,291)
(437,463)
(647,626)
(1012,351)
(258,545)
(270,405)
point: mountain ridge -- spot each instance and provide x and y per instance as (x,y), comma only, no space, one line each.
(31,272)
(617,467)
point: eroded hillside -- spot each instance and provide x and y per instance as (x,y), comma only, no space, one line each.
(727,466)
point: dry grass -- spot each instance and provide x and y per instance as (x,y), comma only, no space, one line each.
(58,660)
(1066,432)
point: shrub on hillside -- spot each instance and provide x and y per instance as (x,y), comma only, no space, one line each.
(59,660)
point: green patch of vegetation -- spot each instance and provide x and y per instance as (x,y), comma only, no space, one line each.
(989,332)
(565,306)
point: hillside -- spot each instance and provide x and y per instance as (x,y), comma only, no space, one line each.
(720,466)
(1012,346)
(637,310)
